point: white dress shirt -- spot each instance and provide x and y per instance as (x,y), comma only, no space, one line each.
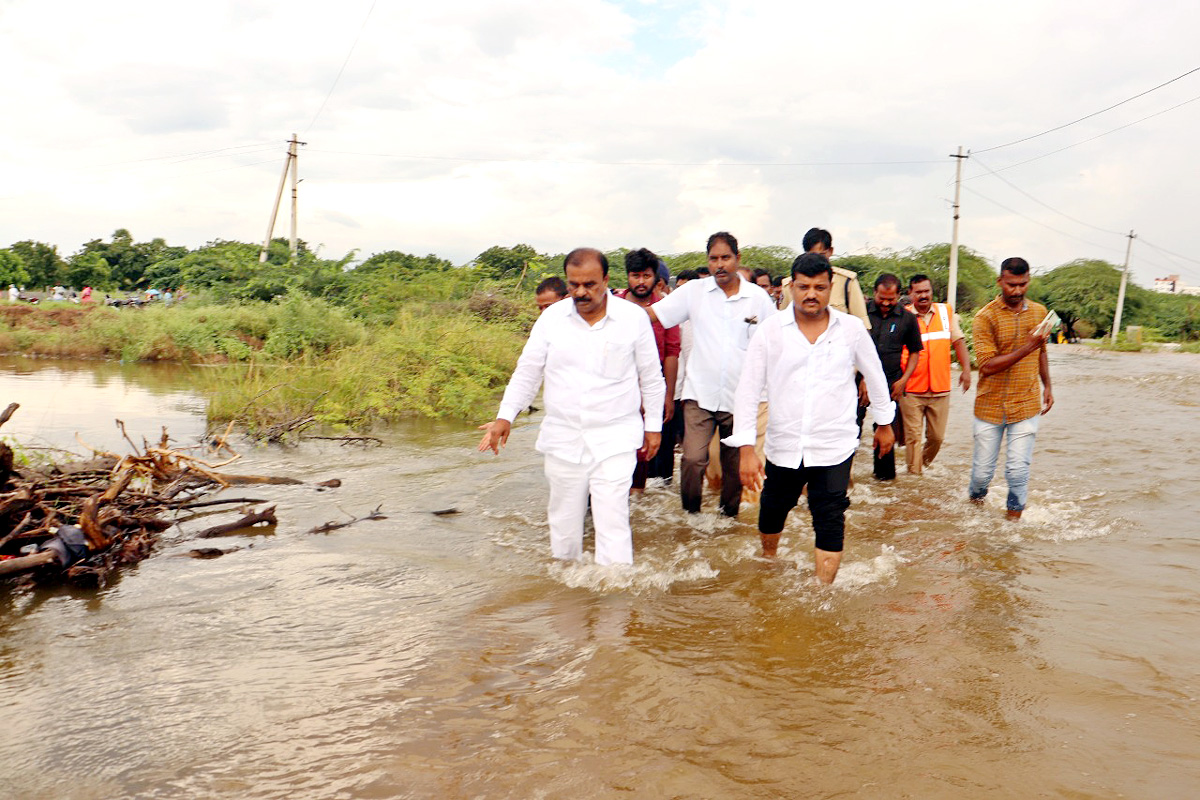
(811,398)
(722,328)
(598,378)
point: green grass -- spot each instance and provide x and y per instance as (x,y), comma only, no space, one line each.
(303,356)
(430,362)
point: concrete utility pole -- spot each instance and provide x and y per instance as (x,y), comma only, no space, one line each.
(290,164)
(1116,328)
(952,283)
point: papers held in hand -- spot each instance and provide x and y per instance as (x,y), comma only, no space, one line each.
(1046,325)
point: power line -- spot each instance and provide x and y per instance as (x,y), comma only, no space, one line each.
(1089,116)
(1168,252)
(1039,222)
(188,156)
(582,162)
(349,53)
(1091,138)
(1045,205)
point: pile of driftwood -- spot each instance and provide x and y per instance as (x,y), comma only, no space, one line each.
(81,521)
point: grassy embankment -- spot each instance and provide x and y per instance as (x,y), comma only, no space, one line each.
(300,356)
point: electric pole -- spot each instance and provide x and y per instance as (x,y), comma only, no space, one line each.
(952,282)
(290,164)
(1116,328)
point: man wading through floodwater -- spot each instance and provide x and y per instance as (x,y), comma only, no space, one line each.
(600,365)
(805,356)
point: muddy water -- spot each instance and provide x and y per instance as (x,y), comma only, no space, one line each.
(423,656)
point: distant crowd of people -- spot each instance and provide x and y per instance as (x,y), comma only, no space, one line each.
(63,294)
(771,378)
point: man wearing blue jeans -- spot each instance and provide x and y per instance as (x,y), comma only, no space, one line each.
(1011,359)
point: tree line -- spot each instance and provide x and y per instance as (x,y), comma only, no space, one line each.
(1083,292)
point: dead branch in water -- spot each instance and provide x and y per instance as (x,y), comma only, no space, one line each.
(258,518)
(333,526)
(86,519)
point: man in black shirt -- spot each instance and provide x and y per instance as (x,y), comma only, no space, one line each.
(893,329)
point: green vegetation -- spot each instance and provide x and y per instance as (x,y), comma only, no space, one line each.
(400,334)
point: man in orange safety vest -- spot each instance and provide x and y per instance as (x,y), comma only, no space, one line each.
(925,404)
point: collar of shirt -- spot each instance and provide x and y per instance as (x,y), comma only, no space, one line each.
(574,315)
(834,321)
(743,288)
(897,310)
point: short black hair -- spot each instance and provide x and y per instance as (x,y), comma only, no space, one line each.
(777,280)
(687,275)
(641,260)
(582,255)
(817,236)
(1014,266)
(703,271)
(759,272)
(918,278)
(552,284)
(810,265)
(888,279)
(722,236)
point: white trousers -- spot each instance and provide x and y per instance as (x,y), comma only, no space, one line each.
(607,482)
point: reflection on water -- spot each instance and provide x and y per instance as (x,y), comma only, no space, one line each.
(957,655)
(65,401)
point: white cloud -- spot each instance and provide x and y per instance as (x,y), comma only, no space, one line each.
(502,123)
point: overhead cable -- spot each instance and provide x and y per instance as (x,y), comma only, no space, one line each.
(587,163)
(1089,116)
(1089,139)
(1044,205)
(1039,222)
(346,61)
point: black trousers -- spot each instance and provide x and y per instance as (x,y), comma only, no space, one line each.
(885,466)
(827,500)
(663,465)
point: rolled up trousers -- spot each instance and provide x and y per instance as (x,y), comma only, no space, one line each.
(607,483)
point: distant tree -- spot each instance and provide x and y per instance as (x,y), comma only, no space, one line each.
(976,278)
(89,269)
(1086,290)
(130,263)
(398,263)
(41,261)
(502,262)
(12,270)
(774,259)
(678,262)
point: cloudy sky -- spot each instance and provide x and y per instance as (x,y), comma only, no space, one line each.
(448,127)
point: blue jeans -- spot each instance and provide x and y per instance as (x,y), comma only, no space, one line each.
(1016,467)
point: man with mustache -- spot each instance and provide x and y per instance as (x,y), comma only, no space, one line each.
(725,311)
(805,358)
(597,357)
(925,404)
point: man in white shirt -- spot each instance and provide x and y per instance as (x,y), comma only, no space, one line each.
(600,365)
(724,311)
(805,357)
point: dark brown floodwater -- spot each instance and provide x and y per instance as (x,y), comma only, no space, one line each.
(433,657)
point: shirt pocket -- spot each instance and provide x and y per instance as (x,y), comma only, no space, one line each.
(617,361)
(836,358)
(746,331)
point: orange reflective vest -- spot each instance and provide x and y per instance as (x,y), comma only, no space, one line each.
(933,362)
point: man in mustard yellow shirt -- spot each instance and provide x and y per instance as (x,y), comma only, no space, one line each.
(1011,358)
